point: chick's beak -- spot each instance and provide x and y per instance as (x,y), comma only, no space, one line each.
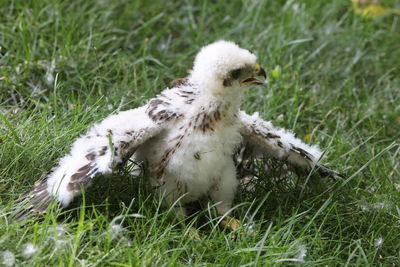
(258,72)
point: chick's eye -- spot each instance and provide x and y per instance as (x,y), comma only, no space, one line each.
(236,73)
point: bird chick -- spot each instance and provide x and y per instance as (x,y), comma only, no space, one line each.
(187,134)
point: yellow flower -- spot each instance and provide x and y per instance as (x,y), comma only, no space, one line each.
(370,10)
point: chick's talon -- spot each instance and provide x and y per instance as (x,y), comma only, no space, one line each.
(230,223)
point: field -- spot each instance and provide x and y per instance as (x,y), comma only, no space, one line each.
(333,79)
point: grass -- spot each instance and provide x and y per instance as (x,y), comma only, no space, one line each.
(333,74)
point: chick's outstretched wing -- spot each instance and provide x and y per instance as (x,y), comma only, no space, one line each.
(264,138)
(105,146)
